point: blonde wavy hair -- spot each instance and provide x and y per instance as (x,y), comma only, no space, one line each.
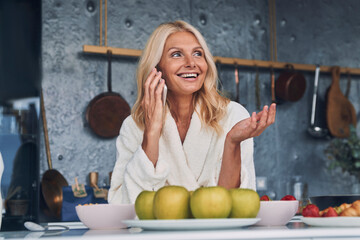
(212,103)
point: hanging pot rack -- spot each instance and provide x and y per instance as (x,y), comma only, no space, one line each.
(126,52)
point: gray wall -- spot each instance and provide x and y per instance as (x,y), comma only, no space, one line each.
(322,32)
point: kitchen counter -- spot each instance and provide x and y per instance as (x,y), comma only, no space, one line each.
(293,230)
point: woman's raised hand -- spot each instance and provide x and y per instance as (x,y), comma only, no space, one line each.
(254,125)
(152,103)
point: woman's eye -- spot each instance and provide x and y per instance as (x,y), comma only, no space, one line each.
(198,53)
(176,54)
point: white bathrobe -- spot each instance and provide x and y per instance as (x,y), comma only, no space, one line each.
(193,164)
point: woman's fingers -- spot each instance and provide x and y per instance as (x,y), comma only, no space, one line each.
(155,82)
(255,124)
(150,86)
(264,116)
(147,84)
(159,90)
(272,114)
(263,119)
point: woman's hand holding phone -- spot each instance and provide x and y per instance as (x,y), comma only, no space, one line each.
(153,104)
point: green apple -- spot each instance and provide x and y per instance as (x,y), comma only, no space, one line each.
(210,202)
(144,205)
(172,202)
(245,203)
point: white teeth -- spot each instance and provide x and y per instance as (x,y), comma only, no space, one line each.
(188,75)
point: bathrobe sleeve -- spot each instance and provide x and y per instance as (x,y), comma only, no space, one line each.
(236,113)
(133,171)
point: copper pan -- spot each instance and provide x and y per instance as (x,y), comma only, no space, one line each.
(290,85)
(52,180)
(106,112)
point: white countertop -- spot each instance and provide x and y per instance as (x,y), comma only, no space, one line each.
(294,230)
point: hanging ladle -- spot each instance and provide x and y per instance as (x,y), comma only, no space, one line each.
(314,130)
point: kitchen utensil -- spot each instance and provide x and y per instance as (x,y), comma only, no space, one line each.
(219,83)
(93,178)
(290,85)
(340,113)
(323,202)
(313,130)
(236,73)
(257,90)
(272,78)
(348,85)
(31,226)
(52,180)
(106,112)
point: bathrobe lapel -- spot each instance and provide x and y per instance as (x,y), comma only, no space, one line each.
(187,161)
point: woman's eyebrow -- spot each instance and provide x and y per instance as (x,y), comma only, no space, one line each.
(179,48)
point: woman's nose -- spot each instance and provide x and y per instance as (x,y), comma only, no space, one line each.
(190,62)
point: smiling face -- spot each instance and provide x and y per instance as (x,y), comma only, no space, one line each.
(183,64)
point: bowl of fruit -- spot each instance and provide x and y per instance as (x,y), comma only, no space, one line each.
(343,215)
(277,212)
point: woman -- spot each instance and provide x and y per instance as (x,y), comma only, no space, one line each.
(197,138)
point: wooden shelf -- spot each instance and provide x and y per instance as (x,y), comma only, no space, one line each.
(115,51)
(224,60)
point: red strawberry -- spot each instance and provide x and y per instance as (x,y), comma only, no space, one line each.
(288,198)
(265,198)
(311,210)
(330,212)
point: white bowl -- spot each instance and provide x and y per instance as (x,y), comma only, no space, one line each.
(105,216)
(277,213)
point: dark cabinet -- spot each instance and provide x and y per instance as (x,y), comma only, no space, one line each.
(20,81)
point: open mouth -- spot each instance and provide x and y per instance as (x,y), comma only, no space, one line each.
(188,75)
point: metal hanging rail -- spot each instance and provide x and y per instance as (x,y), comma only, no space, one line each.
(126,52)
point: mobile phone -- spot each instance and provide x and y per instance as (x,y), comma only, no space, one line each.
(164,94)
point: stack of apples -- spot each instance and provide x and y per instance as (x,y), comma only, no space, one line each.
(176,202)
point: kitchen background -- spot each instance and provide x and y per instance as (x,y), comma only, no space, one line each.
(324,32)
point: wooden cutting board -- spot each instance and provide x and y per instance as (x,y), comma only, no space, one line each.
(340,113)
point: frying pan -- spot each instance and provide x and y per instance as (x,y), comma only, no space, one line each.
(52,180)
(106,112)
(340,113)
(290,85)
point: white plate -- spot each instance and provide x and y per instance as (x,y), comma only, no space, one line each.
(332,221)
(191,224)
